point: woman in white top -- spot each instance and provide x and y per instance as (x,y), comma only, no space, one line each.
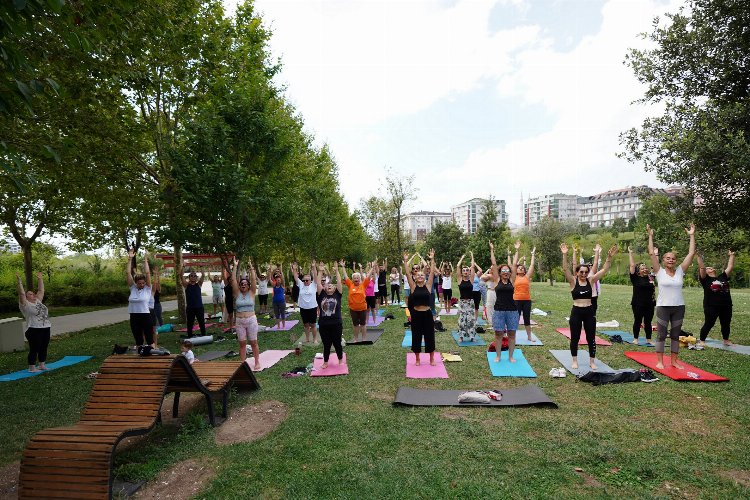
(406,289)
(263,292)
(140,295)
(395,286)
(37,322)
(308,301)
(670,304)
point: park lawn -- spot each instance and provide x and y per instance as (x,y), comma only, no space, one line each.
(344,439)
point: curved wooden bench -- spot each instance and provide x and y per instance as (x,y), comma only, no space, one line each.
(76,461)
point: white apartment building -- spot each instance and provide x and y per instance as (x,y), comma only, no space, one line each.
(602,209)
(10,245)
(467,215)
(558,206)
(417,225)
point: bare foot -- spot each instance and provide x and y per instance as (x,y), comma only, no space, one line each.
(324,366)
(677,365)
(530,338)
(497,359)
(33,369)
(574,365)
(257,367)
(512,360)
(728,342)
(42,366)
(460,338)
(592,365)
(660,366)
(416,363)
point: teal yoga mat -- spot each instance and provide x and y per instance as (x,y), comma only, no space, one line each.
(523,339)
(521,368)
(478,340)
(407,340)
(626,337)
(66,361)
(718,344)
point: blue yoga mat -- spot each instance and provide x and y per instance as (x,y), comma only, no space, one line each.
(478,341)
(523,339)
(481,322)
(521,368)
(718,344)
(407,340)
(66,361)
(627,337)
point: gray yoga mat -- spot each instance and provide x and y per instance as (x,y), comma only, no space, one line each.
(212,355)
(372,337)
(564,357)
(718,344)
(530,395)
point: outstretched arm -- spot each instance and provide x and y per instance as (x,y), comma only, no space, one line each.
(430,280)
(701,266)
(408,274)
(22,293)
(39,287)
(236,280)
(253,277)
(493,267)
(597,276)
(146,269)
(343,268)
(632,261)
(653,252)
(530,270)
(727,271)
(568,275)
(597,258)
(128,275)
(338,278)
(514,264)
(691,249)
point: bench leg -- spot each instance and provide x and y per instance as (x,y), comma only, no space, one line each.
(225,398)
(175,404)
(210,404)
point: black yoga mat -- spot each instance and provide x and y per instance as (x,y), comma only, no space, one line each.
(531,395)
(372,337)
(212,355)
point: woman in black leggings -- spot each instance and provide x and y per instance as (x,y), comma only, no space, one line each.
(582,313)
(717,301)
(420,300)
(37,322)
(644,298)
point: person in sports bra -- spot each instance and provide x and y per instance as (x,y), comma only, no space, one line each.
(582,312)
(420,300)
(244,308)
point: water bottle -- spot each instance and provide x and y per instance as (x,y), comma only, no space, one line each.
(298,349)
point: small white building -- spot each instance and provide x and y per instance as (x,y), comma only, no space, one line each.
(10,245)
(562,207)
(468,214)
(417,225)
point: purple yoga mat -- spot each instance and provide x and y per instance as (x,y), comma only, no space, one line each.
(268,359)
(334,368)
(425,370)
(195,327)
(378,320)
(454,312)
(289,325)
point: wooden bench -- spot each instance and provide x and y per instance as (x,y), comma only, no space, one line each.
(76,461)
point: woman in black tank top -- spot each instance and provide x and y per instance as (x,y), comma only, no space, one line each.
(582,313)
(467,319)
(505,314)
(420,301)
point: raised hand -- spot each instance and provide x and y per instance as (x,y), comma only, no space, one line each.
(630,249)
(656,251)
(131,252)
(533,251)
(612,250)
(649,230)
(431,254)
(517,244)
(690,230)
(564,248)
(730,253)
(492,245)
(406,256)
(598,248)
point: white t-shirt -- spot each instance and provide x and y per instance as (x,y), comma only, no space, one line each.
(189,355)
(36,314)
(670,288)
(138,300)
(447,282)
(406,283)
(395,279)
(263,287)
(308,295)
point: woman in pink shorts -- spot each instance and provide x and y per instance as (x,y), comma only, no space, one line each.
(246,324)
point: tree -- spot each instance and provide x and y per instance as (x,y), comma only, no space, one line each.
(548,234)
(488,230)
(448,240)
(698,74)
(618,226)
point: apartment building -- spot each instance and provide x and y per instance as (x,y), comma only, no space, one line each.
(602,209)
(10,245)
(467,215)
(417,225)
(563,207)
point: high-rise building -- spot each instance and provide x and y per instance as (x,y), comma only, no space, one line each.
(9,245)
(417,225)
(467,215)
(602,209)
(563,207)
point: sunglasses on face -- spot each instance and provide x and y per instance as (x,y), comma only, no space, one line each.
(583,272)
(306,281)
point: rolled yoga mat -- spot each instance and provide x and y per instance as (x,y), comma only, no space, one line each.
(407,340)
(206,339)
(627,337)
(582,340)
(504,368)
(211,355)
(288,326)
(565,359)
(523,339)
(268,358)
(718,344)
(371,335)
(66,361)
(478,340)
(688,373)
(334,368)
(530,395)
(425,369)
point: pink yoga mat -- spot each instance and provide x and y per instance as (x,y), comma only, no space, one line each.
(454,312)
(582,340)
(425,370)
(289,325)
(378,320)
(334,368)
(267,359)
(195,327)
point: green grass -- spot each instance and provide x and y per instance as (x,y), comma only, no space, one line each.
(344,439)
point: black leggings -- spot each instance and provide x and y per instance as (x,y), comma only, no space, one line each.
(422,325)
(585,316)
(723,313)
(382,293)
(524,309)
(642,315)
(194,313)
(142,329)
(395,292)
(331,335)
(38,342)
(595,305)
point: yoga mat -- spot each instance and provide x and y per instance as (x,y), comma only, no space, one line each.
(425,369)
(378,320)
(407,340)
(372,336)
(334,368)
(565,359)
(289,325)
(66,361)
(478,340)
(718,344)
(268,358)
(627,337)
(443,312)
(302,340)
(523,339)
(521,368)
(211,355)
(481,322)
(582,340)
(195,327)
(206,339)
(520,321)
(649,359)
(530,395)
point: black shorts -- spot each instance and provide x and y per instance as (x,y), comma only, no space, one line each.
(372,302)
(358,317)
(309,316)
(382,291)
(447,293)
(263,300)
(477,296)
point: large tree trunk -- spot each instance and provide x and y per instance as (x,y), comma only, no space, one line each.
(27,264)
(398,231)
(551,281)
(179,289)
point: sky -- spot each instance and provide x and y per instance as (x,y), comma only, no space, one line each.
(473,98)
